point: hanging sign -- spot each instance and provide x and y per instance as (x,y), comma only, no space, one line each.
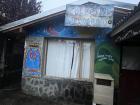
(89,15)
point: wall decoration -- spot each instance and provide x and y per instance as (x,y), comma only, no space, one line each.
(56,28)
(32,58)
(32,62)
(107,56)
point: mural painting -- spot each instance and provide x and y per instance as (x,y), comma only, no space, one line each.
(56,28)
(32,61)
(107,56)
(32,57)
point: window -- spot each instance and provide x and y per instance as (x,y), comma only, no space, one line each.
(131,58)
(69,59)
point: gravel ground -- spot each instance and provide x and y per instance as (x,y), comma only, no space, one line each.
(16,97)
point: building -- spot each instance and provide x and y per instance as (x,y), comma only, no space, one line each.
(60,61)
(127,34)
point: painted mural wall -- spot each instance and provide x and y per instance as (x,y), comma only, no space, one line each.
(55,28)
(107,57)
(107,54)
(33,57)
(35,83)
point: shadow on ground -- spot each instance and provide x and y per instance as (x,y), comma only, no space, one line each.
(17,97)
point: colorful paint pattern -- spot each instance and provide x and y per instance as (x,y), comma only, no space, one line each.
(32,61)
(107,56)
(56,28)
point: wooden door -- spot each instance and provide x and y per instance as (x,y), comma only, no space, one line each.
(130,87)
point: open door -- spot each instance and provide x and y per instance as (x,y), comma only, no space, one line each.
(13,61)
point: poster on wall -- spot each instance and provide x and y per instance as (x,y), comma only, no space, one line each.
(32,58)
(94,15)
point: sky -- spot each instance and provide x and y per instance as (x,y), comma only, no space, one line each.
(50,4)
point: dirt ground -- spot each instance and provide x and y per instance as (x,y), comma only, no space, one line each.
(17,97)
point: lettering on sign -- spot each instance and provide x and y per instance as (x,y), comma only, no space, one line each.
(89,15)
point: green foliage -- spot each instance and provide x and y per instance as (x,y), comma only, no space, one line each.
(17,9)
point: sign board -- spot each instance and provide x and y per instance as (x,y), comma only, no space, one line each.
(89,15)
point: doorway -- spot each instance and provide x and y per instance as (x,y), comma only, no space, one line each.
(12,61)
(130,76)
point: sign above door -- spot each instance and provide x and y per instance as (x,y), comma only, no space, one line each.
(94,15)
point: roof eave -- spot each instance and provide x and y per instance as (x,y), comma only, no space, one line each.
(57,11)
(129,22)
(32,19)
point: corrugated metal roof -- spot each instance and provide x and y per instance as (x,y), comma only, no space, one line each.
(54,12)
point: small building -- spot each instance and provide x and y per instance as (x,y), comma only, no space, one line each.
(127,35)
(60,61)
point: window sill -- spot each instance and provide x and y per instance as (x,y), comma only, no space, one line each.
(71,79)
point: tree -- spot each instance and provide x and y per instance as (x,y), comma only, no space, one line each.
(12,10)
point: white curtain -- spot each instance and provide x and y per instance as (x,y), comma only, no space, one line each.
(59,56)
(68,58)
(76,60)
(86,60)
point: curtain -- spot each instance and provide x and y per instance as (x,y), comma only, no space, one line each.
(76,60)
(59,58)
(68,58)
(86,60)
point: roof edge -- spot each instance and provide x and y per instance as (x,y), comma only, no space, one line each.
(57,11)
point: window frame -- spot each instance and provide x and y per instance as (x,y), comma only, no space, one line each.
(92,64)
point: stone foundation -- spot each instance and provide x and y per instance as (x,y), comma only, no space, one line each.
(59,89)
